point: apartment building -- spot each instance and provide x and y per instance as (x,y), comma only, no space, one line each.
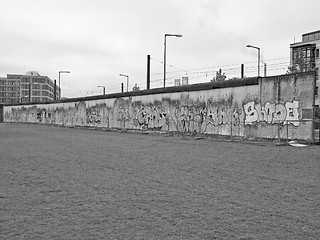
(31,87)
(304,56)
(9,90)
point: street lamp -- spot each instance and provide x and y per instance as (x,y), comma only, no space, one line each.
(164,57)
(104,89)
(123,75)
(250,46)
(59,82)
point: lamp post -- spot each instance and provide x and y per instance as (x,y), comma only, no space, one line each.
(59,82)
(104,89)
(123,75)
(250,46)
(164,55)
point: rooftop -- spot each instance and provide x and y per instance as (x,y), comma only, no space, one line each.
(308,39)
(312,36)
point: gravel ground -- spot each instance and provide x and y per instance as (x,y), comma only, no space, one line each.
(65,183)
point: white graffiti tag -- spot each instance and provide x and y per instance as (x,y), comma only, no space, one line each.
(272,113)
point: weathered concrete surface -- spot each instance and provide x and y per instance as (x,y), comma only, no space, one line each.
(281,105)
(64,183)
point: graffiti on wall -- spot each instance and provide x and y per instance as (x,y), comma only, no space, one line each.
(196,117)
(93,116)
(193,117)
(185,118)
(122,115)
(220,116)
(151,117)
(190,118)
(238,108)
(39,116)
(272,113)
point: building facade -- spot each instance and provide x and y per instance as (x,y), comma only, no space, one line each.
(304,56)
(9,90)
(31,87)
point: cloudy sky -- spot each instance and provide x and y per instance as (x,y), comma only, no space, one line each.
(96,40)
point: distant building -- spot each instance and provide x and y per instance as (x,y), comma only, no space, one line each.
(9,90)
(18,88)
(185,80)
(304,56)
(180,82)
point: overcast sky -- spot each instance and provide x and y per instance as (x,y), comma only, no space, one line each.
(96,40)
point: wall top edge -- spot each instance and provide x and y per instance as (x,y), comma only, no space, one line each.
(186,88)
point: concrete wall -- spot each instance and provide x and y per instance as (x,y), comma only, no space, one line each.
(263,107)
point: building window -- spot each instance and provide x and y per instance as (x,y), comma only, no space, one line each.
(308,52)
(317,53)
(311,37)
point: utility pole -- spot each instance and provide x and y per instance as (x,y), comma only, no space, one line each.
(148,71)
(242,70)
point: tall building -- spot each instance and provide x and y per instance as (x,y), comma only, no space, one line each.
(9,90)
(31,87)
(304,56)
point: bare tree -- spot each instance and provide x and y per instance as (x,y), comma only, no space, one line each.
(299,63)
(220,76)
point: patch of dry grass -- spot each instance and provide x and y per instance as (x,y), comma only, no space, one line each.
(60,183)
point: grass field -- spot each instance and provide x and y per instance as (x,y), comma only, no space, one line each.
(65,183)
